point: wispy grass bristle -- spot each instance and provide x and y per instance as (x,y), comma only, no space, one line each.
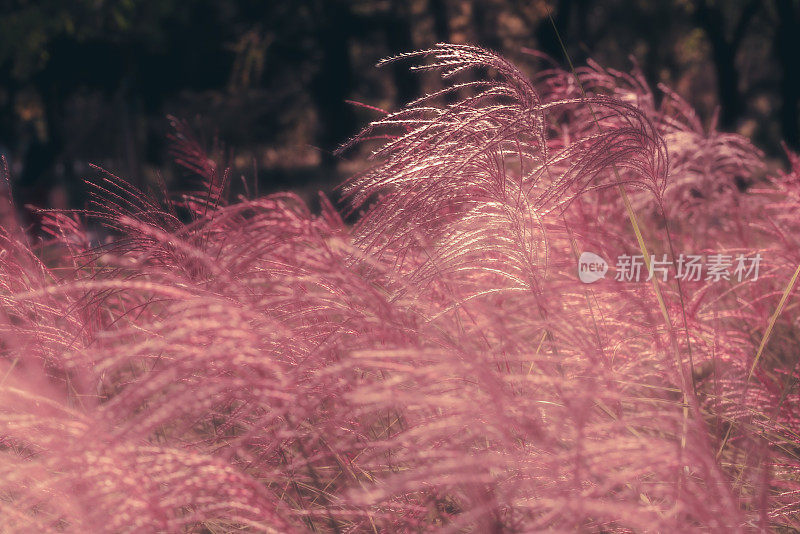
(208,364)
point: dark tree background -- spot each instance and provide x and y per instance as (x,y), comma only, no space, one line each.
(92,81)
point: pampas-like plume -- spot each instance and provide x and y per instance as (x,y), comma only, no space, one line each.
(436,366)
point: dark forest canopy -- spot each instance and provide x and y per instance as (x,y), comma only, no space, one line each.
(93,80)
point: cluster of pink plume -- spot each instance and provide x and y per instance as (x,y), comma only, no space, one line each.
(435,365)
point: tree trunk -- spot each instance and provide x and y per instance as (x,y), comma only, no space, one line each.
(332,84)
(724,56)
(786,47)
(400,39)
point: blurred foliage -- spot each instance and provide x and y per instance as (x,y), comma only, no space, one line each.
(29,28)
(92,80)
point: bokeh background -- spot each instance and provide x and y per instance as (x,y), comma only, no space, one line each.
(93,81)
